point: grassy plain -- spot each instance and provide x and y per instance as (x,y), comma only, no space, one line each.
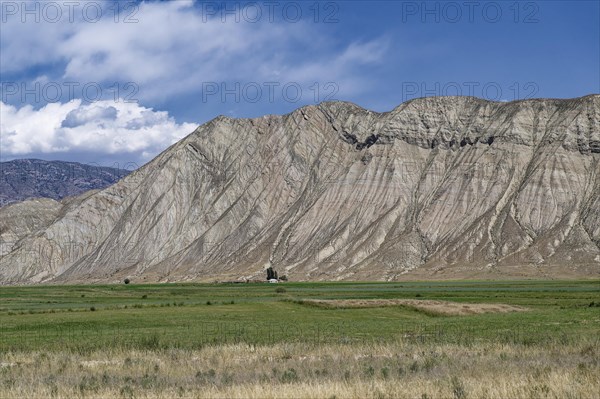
(270,340)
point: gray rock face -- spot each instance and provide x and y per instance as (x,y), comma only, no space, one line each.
(34,178)
(442,187)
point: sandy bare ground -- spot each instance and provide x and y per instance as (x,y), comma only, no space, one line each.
(445,308)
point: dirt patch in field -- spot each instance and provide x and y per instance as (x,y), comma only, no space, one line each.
(444,308)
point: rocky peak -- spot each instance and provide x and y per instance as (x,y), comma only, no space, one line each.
(437,187)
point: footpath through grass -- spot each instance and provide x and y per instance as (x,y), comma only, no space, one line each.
(189,316)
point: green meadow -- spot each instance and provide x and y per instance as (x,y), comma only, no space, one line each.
(191,316)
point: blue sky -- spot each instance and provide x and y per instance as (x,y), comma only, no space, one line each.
(118,82)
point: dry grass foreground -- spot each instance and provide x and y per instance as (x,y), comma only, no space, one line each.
(444,308)
(394,370)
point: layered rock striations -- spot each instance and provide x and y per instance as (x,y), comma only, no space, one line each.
(441,187)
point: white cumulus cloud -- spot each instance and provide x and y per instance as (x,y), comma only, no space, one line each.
(174,47)
(103,127)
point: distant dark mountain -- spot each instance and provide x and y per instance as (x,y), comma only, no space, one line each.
(31,178)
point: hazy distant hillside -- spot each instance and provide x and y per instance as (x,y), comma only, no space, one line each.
(31,178)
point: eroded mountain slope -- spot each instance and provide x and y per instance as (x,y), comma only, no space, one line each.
(438,187)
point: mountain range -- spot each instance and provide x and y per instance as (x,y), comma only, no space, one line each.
(22,179)
(437,188)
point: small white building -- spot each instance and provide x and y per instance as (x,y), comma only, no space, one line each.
(273,280)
